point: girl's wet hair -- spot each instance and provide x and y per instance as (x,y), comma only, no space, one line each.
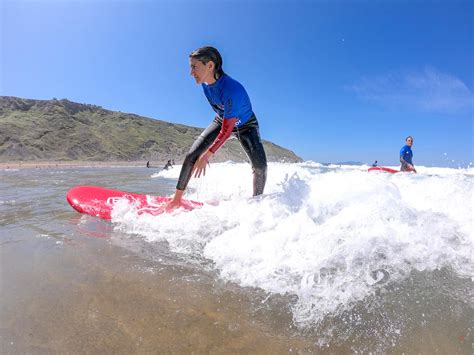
(409,137)
(207,54)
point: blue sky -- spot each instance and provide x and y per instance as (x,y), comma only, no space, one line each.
(331,80)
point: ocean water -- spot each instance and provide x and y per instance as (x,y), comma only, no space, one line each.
(339,258)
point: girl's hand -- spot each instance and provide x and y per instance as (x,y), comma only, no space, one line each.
(411,168)
(201,165)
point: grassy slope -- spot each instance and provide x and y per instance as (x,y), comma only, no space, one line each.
(64,130)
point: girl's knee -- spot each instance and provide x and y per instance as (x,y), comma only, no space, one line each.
(191,158)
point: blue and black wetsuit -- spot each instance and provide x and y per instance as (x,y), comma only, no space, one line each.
(406,156)
(231,103)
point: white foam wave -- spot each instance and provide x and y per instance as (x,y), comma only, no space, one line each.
(328,235)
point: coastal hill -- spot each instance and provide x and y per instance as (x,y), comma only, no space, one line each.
(58,130)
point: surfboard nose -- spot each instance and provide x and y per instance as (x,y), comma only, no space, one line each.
(99,201)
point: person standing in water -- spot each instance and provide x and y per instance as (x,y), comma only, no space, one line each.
(406,156)
(234,115)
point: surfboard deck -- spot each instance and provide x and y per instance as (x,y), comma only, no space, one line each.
(99,201)
(382,168)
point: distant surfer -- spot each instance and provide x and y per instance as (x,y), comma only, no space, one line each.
(148,164)
(231,103)
(374,164)
(168,165)
(406,156)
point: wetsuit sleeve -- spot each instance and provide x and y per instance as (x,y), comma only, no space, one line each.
(225,132)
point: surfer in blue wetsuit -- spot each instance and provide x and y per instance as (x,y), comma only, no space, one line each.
(234,115)
(406,156)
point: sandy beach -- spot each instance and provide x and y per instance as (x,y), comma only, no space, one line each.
(50,164)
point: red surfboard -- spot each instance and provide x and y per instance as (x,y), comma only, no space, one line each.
(382,168)
(99,201)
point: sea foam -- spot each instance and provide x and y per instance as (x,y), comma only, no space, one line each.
(329,235)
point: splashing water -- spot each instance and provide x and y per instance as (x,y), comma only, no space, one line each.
(328,236)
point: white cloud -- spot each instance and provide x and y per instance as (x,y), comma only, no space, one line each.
(428,90)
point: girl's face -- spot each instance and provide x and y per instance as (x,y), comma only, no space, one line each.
(203,73)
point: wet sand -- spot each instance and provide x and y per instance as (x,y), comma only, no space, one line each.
(92,297)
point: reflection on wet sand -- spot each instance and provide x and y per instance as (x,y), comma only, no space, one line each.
(93,297)
(90,296)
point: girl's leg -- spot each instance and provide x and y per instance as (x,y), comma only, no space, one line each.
(201,144)
(252,144)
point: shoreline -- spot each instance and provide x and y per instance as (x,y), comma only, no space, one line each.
(42,164)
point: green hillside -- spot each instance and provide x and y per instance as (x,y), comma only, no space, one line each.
(33,130)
